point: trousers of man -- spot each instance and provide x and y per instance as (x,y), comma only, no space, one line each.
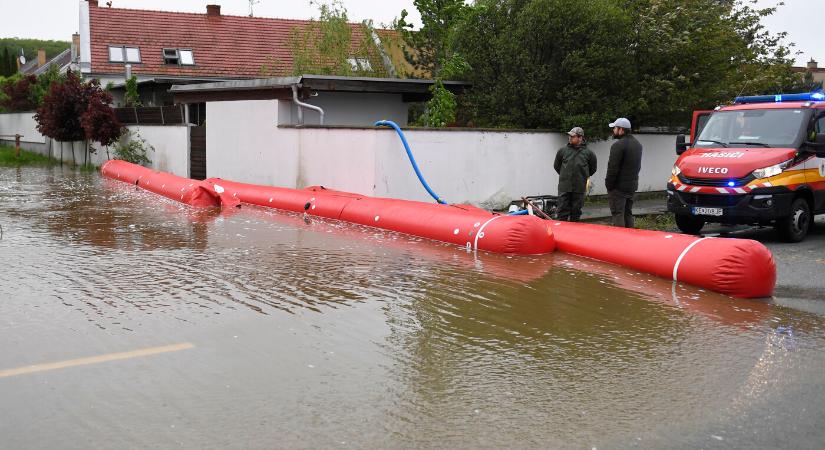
(621,208)
(569,206)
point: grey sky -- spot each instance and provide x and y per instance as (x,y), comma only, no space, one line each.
(57,19)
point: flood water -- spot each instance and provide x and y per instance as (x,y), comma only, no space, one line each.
(328,335)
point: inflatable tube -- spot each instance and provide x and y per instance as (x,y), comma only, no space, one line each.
(463,225)
(738,267)
(184,190)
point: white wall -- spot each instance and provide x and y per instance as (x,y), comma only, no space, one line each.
(348,109)
(171,143)
(241,144)
(21,123)
(487,168)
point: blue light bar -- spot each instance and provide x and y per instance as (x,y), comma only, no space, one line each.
(731,183)
(779,98)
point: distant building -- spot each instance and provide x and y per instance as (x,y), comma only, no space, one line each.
(813,67)
(62,62)
(163,48)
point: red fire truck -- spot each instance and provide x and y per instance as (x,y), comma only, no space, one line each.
(760,161)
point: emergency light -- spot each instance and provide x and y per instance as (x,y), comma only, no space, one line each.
(779,98)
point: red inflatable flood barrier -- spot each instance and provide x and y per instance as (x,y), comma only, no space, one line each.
(463,225)
(738,267)
(184,190)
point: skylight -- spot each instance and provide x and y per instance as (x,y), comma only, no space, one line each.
(183,57)
(122,53)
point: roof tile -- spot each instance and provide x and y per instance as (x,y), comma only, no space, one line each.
(223,46)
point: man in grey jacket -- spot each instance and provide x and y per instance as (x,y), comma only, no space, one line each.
(623,168)
(575,164)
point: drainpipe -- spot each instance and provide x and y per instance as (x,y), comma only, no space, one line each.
(301,105)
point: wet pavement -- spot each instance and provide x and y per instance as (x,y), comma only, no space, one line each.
(156,325)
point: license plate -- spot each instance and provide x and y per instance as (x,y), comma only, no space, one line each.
(707,211)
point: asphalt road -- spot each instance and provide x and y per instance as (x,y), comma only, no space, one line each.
(800,267)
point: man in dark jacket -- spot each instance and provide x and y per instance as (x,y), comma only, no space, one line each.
(622,178)
(574,164)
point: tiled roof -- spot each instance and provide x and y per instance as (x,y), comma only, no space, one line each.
(806,69)
(223,46)
(60,61)
(29,67)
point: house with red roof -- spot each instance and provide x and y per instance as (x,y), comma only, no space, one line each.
(163,48)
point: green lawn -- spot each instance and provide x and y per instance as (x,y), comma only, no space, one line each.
(8,158)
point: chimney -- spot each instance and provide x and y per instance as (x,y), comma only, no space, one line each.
(75,46)
(812,64)
(92,3)
(213,10)
(41,57)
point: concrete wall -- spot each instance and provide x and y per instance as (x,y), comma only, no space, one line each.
(487,168)
(21,123)
(171,143)
(348,109)
(242,143)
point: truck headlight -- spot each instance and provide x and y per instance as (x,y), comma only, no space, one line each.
(767,172)
(675,171)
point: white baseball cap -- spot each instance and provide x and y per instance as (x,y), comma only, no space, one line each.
(621,123)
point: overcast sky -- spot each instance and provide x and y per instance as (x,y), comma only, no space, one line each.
(57,19)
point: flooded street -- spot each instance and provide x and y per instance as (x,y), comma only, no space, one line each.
(290,334)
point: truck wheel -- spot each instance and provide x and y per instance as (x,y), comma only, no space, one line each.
(689,224)
(795,227)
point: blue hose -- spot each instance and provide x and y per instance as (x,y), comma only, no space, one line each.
(523,212)
(390,123)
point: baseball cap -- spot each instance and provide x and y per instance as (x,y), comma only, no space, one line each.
(576,131)
(621,123)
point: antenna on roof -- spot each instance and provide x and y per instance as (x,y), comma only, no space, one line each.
(251,4)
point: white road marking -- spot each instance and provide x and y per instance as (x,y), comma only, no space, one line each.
(94,360)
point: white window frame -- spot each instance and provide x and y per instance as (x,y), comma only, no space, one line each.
(191,55)
(178,56)
(123,54)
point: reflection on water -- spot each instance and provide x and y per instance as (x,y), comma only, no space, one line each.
(465,349)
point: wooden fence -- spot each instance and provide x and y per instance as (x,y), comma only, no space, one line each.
(151,115)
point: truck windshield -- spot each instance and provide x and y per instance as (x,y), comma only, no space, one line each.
(753,128)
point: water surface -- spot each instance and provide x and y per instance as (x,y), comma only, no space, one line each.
(323,334)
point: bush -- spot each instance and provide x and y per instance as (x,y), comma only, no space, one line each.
(134,149)
(18,93)
(440,109)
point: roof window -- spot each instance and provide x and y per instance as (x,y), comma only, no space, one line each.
(182,57)
(122,53)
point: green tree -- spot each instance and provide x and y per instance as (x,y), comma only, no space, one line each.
(429,48)
(330,46)
(132,95)
(45,81)
(441,109)
(7,67)
(546,63)
(31,46)
(558,63)
(692,54)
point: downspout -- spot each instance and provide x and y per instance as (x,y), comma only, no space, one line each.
(301,105)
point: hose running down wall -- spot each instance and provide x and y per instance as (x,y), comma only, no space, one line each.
(737,267)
